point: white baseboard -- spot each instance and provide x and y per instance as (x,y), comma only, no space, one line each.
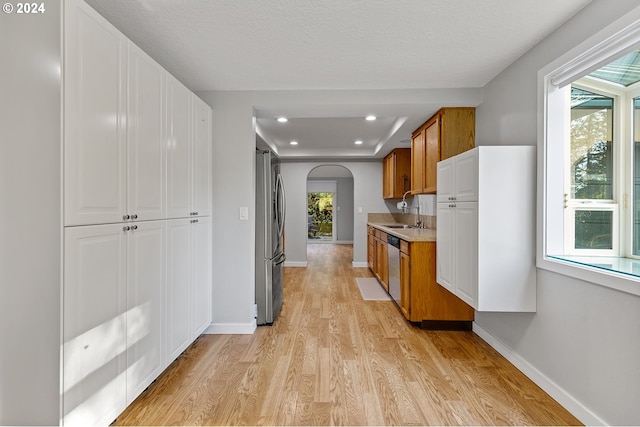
(359,264)
(569,402)
(231,328)
(295,263)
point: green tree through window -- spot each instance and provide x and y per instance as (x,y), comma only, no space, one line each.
(320,215)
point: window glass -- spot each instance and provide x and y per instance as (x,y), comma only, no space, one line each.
(636,176)
(593,229)
(591,151)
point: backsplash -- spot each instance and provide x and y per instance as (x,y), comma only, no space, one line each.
(427,204)
(429,221)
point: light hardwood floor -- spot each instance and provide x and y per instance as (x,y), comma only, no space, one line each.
(333,359)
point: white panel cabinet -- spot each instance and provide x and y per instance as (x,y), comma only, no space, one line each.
(202,191)
(178,283)
(486,227)
(188,260)
(445,248)
(114,124)
(94,324)
(188,153)
(94,118)
(178,127)
(145,136)
(113,328)
(137,227)
(145,305)
(201,259)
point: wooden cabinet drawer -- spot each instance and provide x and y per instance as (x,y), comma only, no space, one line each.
(404,247)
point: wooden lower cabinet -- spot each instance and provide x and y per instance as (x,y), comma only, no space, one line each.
(421,298)
(377,255)
(405,284)
(382,263)
(371,247)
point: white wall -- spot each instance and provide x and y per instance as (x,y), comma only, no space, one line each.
(345,212)
(234,182)
(367,194)
(30,221)
(584,340)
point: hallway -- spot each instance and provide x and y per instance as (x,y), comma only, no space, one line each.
(333,359)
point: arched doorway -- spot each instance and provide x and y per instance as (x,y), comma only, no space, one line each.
(330,204)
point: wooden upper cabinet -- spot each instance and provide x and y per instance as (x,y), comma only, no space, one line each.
(396,176)
(458,131)
(449,132)
(431,154)
(417,161)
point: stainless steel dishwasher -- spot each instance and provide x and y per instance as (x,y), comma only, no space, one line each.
(393,251)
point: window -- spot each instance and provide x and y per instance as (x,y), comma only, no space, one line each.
(591,216)
(636,176)
(589,152)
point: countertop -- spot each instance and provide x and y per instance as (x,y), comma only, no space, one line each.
(407,234)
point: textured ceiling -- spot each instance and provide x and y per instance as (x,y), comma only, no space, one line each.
(336,44)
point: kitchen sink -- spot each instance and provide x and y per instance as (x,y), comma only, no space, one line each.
(399,226)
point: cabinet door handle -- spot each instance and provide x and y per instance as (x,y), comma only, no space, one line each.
(126,228)
(134,216)
(125,217)
(195,213)
(134,227)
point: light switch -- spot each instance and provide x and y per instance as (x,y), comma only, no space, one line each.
(244,213)
(359,209)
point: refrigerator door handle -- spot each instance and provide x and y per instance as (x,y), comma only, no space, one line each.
(281,205)
(279,259)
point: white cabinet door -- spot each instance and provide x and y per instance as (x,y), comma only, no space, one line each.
(466,176)
(94,319)
(145,136)
(145,305)
(466,252)
(94,119)
(178,302)
(178,187)
(201,258)
(445,176)
(201,158)
(445,245)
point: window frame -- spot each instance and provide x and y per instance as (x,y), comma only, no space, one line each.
(618,38)
(618,149)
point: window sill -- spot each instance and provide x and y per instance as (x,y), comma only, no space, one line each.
(622,274)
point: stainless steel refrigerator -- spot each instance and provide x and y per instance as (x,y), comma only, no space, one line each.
(270,215)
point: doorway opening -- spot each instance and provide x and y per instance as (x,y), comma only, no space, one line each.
(330,200)
(320,216)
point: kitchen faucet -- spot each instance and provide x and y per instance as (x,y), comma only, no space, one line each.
(403,206)
(418,221)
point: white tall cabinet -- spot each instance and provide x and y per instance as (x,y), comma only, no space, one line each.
(94,324)
(95,134)
(486,227)
(137,226)
(145,136)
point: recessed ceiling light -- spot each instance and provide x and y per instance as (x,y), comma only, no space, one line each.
(294,143)
(358,142)
(370,118)
(282,120)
